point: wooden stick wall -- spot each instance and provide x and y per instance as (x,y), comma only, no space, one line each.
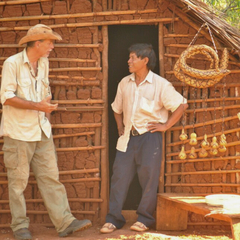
(79,82)
(212,111)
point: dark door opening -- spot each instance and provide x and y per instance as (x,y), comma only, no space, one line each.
(120,39)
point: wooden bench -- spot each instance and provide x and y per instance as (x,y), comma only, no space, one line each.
(172,212)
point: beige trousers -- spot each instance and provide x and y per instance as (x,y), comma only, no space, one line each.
(41,156)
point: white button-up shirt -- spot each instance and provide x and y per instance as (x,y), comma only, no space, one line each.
(150,101)
(17,123)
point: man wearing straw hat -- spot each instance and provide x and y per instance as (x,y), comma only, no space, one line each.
(26,129)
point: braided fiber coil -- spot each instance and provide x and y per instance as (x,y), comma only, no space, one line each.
(197,77)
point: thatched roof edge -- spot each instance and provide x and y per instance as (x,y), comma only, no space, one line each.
(203,13)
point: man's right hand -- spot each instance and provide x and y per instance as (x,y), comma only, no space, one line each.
(121,131)
(46,106)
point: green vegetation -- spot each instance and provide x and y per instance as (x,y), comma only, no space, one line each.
(227,9)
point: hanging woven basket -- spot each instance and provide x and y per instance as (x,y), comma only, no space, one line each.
(201,78)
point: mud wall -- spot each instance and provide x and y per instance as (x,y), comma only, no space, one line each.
(76,83)
(78,77)
(212,111)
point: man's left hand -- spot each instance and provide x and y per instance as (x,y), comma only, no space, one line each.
(156,127)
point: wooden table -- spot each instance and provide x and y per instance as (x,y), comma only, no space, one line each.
(172,212)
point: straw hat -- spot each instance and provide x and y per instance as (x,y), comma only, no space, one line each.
(39,32)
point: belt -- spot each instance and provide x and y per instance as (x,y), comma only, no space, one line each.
(134,132)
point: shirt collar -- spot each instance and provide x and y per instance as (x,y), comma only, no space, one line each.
(148,78)
(26,60)
(25,57)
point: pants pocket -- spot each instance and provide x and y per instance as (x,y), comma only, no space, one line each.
(10,157)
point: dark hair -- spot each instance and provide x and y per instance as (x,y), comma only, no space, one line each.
(143,50)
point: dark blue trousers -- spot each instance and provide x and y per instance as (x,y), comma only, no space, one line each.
(143,156)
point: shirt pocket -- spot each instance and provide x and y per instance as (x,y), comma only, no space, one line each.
(10,157)
(146,106)
(24,88)
(46,91)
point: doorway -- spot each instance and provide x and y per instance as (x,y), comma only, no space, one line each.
(120,39)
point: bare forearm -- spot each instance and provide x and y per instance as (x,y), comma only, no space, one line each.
(119,121)
(176,115)
(174,118)
(21,103)
(44,105)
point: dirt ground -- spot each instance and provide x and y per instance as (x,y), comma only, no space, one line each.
(44,233)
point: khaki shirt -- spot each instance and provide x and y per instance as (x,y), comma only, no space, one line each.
(148,102)
(17,123)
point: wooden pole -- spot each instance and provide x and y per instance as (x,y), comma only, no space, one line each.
(56,136)
(161,67)
(77,125)
(197,58)
(171,35)
(65,180)
(94,4)
(93,200)
(202,160)
(75,69)
(174,138)
(168,167)
(81,83)
(77,45)
(109,5)
(161,49)
(21,2)
(179,83)
(80,171)
(231,72)
(104,154)
(72,60)
(215,100)
(209,136)
(96,188)
(202,185)
(70,149)
(78,78)
(46,212)
(91,24)
(236,143)
(76,15)
(114,5)
(64,60)
(97,137)
(206,123)
(104,5)
(80,108)
(77,101)
(202,172)
(186,45)
(181,45)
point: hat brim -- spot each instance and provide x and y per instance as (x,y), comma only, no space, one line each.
(40,36)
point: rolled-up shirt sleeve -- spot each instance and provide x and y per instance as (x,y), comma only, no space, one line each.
(117,105)
(173,102)
(8,83)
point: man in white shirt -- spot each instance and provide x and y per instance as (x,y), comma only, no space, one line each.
(26,129)
(141,108)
